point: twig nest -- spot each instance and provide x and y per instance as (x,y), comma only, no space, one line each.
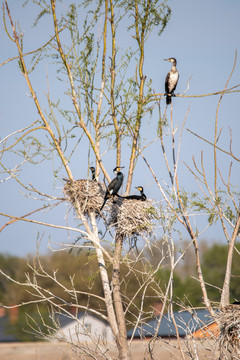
(229,324)
(87,195)
(132,217)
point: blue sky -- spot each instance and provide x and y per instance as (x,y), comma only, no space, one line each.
(203,36)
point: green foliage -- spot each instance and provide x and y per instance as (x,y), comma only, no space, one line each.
(150,14)
(214,267)
(12,266)
(185,290)
(22,327)
(191,293)
(206,206)
(161,125)
(152,212)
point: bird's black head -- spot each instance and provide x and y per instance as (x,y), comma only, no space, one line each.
(140,188)
(172,60)
(117,169)
(92,168)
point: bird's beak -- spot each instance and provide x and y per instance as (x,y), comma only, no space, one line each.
(137,187)
(120,167)
(166,59)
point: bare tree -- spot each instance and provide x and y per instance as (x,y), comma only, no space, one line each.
(110,97)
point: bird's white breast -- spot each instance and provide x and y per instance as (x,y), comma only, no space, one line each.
(173,79)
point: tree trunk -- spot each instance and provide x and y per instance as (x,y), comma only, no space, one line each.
(105,281)
(225,297)
(122,344)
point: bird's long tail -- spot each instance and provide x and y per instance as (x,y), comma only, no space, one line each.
(168,99)
(104,202)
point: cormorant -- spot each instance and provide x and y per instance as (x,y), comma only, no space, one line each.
(114,185)
(141,197)
(93,173)
(171,80)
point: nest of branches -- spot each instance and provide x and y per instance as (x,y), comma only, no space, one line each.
(132,217)
(229,324)
(87,195)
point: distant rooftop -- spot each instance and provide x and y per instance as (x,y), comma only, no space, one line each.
(187,322)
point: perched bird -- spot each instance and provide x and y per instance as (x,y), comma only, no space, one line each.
(141,197)
(93,173)
(171,80)
(114,185)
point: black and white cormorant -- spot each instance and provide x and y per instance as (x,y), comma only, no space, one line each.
(114,185)
(171,80)
(141,197)
(92,168)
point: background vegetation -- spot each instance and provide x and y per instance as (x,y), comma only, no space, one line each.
(186,289)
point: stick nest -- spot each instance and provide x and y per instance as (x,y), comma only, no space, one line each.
(229,323)
(132,217)
(85,194)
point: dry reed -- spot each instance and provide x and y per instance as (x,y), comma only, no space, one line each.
(131,217)
(87,194)
(229,326)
